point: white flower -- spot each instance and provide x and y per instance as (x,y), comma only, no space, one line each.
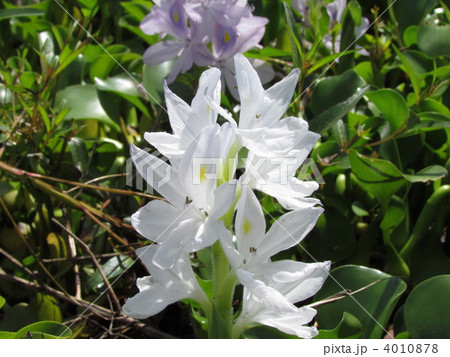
(187,121)
(189,221)
(272,288)
(164,286)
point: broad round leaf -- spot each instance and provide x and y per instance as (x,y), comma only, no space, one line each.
(428,307)
(84,103)
(372,307)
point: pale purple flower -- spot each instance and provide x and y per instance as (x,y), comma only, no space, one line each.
(227,25)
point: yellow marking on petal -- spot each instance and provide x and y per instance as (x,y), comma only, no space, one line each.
(247,226)
(202,173)
(175,17)
(227,37)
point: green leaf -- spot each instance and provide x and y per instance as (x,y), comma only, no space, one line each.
(349,327)
(80,155)
(392,105)
(154,80)
(326,119)
(124,86)
(434,39)
(324,61)
(44,329)
(379,177)
(410,36)
(393,217)
(333,90)
(137,9)
(427,309)
(419,61)
(410,13)
(84,103)
(294,36)
(372,307)
(350,19)
(47,308)
(112,268)
(410,71)
(2,301)
(430,173)
(18,12)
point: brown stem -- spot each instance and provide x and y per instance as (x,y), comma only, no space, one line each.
(94,260)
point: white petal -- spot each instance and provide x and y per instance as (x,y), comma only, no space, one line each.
(234,257)
(222,199)
(250,225)
(251,92)
(167,144)
(178,111)
(291,195)
(200,166)
(290,323)
(156,220)
(152,301)
(278,97)
(172,248)
(159,175)
(288,230)
(264,294)
(209,85)
(297,281)
(164,287)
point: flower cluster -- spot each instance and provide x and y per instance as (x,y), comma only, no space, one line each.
(204,32)
(207,207)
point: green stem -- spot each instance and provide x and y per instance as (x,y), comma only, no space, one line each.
(424,220)
(222,315)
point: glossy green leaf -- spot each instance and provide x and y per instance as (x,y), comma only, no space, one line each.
(410,36)
(434,39)
(84,103)
(392,105)
(2,301)
(19,12)
(294,37)
(333,90)
(372,307)
(124,86)
(410,71)
(430,173)
(393,217)
(45,330)
(326,119)
(410,13)
(427,309)
(349,327)
(112,268)
(419,61)
(379,177)
(154,79)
